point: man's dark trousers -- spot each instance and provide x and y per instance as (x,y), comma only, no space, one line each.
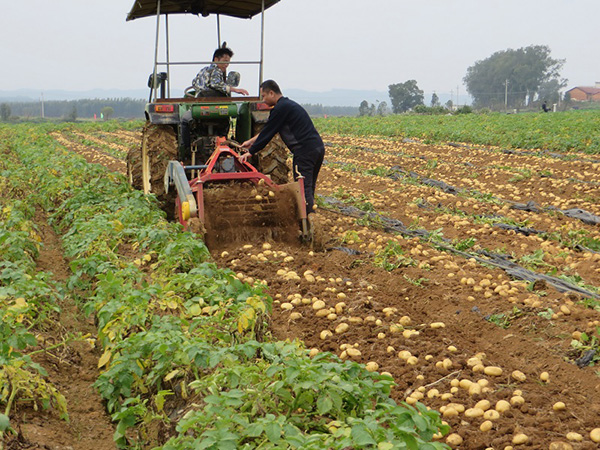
(308,164)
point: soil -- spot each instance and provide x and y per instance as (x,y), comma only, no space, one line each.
(442,308)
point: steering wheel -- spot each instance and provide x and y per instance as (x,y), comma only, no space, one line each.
(189,92)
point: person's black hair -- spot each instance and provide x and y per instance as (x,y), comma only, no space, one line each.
(270,85)
(222,51)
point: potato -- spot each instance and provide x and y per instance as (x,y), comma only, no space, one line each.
(432,393)
(372,366)
(457,406)
(475,389)
(478,368)
(486,426)
(502,406)
(342,328)
(286,306)
(517,400)
(404,354)
(517,375)
(353,352)
(325,334)
(484,405)
(295,316)
(449,412)
(465,384)
(491,414)
(473,412)
(493,371)
(520,438)
(404,321)
(319,304)
(559,406)
(560,446)
(545,377)
(595,435)
(436,325)
(313,352)
(454,439)
(576,437)
(412,360)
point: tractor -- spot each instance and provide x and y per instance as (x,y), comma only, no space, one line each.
(208,188)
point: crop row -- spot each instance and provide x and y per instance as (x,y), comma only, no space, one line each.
(28,305)
(565,131)
(187,360)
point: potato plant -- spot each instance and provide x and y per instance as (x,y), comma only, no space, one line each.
(184,342)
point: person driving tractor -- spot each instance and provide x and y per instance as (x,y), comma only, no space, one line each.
(211,81)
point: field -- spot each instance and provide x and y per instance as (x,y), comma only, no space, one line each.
(458,276)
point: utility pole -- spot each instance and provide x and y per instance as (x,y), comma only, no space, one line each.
(457,91)
(42,105)
(506,95)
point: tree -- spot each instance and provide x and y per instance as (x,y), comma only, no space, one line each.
(435,100)
(72,116)
(363,109)
(512,75)
(549,91)
(405,96)
(450,105)
(4,112)
(107,112)
(382,109)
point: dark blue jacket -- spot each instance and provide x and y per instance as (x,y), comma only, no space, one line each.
(294,126)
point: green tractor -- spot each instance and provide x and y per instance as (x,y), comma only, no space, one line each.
(188,143)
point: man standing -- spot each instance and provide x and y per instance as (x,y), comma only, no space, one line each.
(297,131)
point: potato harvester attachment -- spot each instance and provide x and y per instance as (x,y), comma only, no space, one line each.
(228,199)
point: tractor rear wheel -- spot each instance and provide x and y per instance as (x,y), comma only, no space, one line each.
(272,160)
(146,166)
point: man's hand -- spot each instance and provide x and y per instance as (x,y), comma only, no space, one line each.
(244,157)
(239,91)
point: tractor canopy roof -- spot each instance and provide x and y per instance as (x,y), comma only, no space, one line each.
(244,9)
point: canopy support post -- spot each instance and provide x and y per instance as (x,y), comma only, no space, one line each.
(262,44)
(154,86)
(168,60)
(218,31)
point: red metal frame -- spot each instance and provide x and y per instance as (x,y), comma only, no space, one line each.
(246,171)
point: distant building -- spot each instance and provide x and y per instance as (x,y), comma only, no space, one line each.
(585,93)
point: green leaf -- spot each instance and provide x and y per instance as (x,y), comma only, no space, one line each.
(324,404)
(4,422)
(273,431)
(361,436)
(254,430)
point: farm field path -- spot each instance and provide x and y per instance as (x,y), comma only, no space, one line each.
(461,337)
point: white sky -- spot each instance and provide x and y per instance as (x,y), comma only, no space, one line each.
(314,45)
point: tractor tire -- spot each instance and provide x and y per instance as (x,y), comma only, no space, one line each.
(146,166)
(273,159)
(134,168)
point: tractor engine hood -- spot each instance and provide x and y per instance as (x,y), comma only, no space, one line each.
(244,9)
